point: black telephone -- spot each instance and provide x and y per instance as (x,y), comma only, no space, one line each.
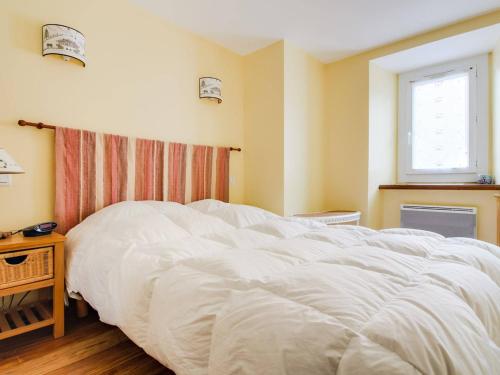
(36,230)
(41,229)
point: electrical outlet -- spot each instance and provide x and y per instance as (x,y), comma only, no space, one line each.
(5,180)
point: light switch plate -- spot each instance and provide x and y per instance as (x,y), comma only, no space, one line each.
(5,179)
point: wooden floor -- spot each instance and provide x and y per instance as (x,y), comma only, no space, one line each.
(89,347)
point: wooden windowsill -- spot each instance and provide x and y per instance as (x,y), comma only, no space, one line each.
(450,186)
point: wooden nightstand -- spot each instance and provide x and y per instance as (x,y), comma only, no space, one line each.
(334,217)
(26,264)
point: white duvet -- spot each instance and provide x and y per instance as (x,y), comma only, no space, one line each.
(215,288)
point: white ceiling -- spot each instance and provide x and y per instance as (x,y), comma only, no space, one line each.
(453,48)
(328,29)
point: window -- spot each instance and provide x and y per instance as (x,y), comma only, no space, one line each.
(443,122)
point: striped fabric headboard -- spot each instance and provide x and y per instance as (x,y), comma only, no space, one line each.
(94,170)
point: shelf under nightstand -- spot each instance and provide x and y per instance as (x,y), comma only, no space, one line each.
(25,318)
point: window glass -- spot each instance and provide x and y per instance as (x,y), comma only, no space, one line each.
(440,122)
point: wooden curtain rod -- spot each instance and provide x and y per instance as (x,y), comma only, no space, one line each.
(41,125)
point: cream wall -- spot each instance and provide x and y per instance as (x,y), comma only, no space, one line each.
(382,136)
(304,132)
(141,80)
(347,135)
(313,136)
(495,109)
(264,128)
(348,127)
(284,130)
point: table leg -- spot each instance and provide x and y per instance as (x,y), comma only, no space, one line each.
(58,295)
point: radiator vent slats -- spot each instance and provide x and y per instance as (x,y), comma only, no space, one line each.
(468,210)
(450,221)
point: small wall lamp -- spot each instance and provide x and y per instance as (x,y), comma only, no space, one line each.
(8,164)
(64,41)
(210,88)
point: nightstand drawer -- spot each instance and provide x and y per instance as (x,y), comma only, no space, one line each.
(26,266)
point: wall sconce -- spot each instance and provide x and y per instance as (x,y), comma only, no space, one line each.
(210,88)
(8,165)
(64,41)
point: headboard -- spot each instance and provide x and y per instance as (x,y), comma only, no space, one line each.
(94,170)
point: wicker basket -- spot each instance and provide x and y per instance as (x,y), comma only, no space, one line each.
(23,267)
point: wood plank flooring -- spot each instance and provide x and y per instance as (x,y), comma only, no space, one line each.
(89,347)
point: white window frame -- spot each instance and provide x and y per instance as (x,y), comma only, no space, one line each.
(478,123)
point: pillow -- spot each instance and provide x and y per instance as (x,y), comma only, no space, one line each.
(127,222)
(242,216)
(191,220)
(206,205)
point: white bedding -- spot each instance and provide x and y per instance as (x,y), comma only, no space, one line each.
(215,288)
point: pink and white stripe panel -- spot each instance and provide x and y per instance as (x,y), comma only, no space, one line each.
(94,170)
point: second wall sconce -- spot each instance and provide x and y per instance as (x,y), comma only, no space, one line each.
(64,41)
(210,88)
(8,164)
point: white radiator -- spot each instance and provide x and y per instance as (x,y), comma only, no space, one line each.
(450,221)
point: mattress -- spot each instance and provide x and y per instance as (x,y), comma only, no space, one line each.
(217,288)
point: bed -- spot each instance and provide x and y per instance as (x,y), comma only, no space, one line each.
(217,288)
